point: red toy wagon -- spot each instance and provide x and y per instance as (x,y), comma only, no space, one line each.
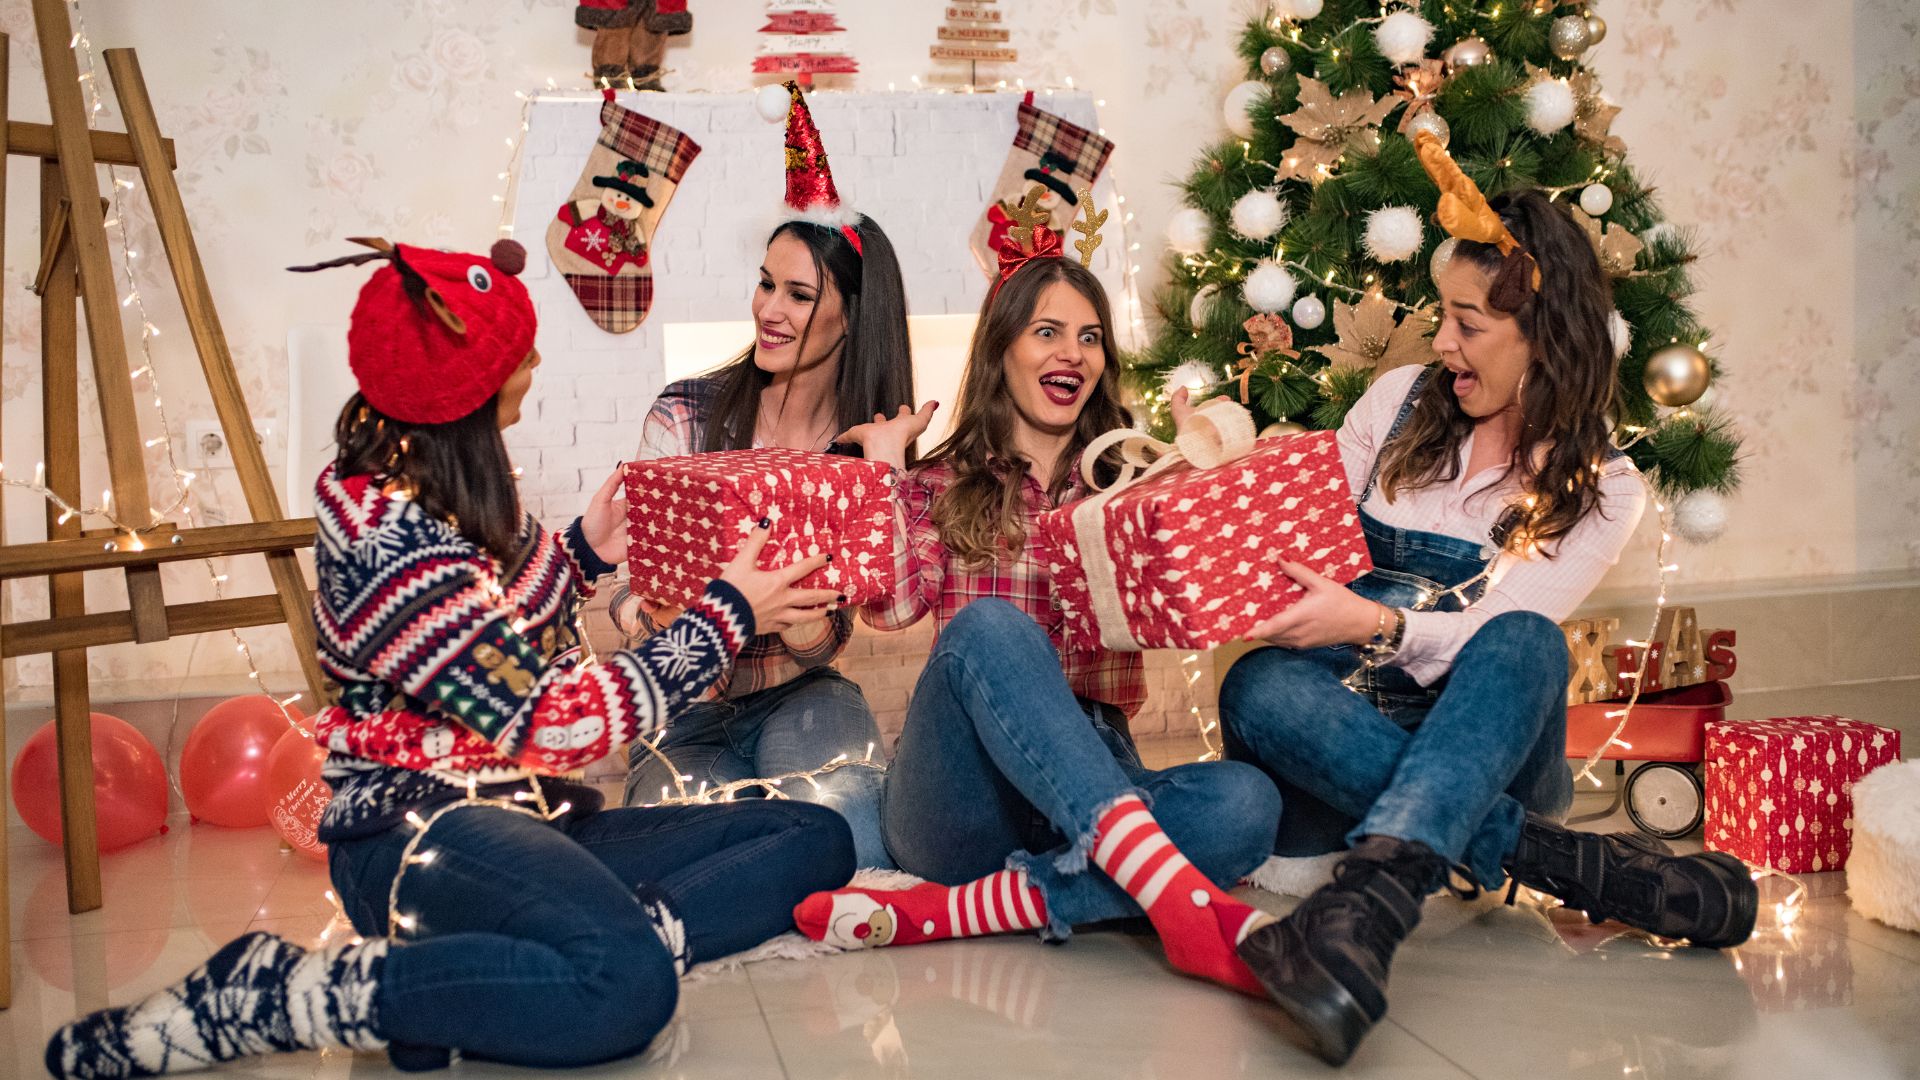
(1667,731)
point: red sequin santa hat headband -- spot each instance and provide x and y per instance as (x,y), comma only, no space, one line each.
(811,195)
(1031,239)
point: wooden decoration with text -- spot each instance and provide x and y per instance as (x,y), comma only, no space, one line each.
(973,34)
(1681,654)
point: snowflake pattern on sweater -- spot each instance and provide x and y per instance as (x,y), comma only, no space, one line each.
(454,668)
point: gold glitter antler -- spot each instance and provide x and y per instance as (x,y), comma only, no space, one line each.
(1088,226)
(1026,214)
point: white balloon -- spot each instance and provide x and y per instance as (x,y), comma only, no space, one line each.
(1393,233)
(1309,312)
(1403,36)
(1188,230)
(1269,288)
(1234,109)
(772,103)
(1596,199)
(1258,214)
(1700,517)
(1550,106)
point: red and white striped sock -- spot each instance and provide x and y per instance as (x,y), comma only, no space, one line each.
(855,918)
(1198,924)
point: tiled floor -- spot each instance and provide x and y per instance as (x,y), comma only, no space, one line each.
(1481,990)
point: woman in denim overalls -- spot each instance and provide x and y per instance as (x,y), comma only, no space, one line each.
(1417,719)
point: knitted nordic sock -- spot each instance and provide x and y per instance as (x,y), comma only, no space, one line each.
(870,918)
(258,995)
(667,925)
(1198,924)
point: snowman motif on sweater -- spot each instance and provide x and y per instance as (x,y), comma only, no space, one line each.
(606,232)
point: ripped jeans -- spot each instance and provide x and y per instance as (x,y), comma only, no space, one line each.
(1000,765)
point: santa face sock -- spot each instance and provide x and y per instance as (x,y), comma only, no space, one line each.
(601,240)
(871,918)
(258,995)
(1198,924)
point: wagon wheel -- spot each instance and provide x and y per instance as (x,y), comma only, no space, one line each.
(1665,799)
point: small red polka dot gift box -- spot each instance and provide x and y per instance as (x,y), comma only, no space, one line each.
(1780,792)
(1188,555)
(686,518)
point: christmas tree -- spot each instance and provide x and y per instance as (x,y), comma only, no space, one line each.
(1301,264)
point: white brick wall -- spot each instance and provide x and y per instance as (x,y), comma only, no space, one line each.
(919,164)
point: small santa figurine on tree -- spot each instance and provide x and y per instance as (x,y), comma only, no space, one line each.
(607,232)
(630,36)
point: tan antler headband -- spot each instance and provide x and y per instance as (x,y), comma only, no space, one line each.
(1463,212)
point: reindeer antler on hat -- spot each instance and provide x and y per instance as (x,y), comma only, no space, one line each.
(1463,212)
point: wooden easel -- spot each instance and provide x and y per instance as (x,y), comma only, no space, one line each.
(75,264)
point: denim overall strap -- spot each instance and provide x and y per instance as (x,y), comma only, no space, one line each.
(1399,421)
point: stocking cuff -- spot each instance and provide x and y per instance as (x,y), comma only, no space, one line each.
(1082,154)
(664,150)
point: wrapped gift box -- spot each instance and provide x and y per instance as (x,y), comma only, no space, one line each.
(1193,555)
(686,518)
(1780,792)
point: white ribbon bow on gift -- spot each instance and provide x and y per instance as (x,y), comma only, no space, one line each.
(1220,431)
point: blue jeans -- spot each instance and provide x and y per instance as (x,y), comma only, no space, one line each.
(793,727)
(1000,765)
(1457,772)
(531,947)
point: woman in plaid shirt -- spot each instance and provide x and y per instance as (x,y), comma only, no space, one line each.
(1015,769)
(831,349)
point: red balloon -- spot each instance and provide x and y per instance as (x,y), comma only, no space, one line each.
(223,768)
(129,784)
(296,796)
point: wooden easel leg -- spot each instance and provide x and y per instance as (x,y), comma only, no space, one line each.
(60,373)
(6,905)
(210,341)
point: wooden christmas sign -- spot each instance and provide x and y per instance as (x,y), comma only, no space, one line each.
(803,39)
(1680,654)
(972,34)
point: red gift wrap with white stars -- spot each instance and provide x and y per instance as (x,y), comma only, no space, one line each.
(687,516)
(1780,792)
(1190,558)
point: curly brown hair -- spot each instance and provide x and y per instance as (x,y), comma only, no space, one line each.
(979,515)
(1567,399)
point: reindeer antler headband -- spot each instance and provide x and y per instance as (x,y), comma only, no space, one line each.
(1031,239)
(1463,212)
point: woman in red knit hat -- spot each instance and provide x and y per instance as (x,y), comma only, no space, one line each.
(505,915)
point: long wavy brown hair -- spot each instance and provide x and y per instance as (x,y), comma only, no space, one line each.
(979,516)
(1567,398)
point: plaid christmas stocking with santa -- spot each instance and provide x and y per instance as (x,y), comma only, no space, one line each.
(601,237)
(1061,157)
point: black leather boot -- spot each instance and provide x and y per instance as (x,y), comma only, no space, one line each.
(1326,963)
(1707,900)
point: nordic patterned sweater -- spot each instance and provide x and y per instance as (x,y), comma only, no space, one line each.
(454,667)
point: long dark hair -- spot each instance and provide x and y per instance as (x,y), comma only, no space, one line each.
(457,471)
(1567,399)
(979,516)
(876,363)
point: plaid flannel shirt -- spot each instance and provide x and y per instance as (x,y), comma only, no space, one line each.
(674,428)
(928,581)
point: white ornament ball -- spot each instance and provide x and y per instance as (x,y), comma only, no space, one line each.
(1296,9)
(1188,230)
(1550,106)
(1621,333)
(1281,427)
(772,103)
(1234,109)
(1258,214)
(1596,199)
(1700,517)
(1403,36)
(1442,255)
(1393,233)
(1309,312)
(1197,308)
(1194,375)
(1658,231)
(1269,288)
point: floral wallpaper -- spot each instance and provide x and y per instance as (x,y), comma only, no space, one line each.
(1792,154)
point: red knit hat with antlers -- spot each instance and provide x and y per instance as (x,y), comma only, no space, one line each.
(435,334)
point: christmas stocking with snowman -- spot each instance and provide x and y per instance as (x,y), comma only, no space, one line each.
(601,237)
(1061,157)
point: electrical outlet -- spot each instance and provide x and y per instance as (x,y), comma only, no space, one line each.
(207,446)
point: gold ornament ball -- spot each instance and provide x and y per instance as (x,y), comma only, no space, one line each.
(1468,52)
(1442,255)
(1428,120)
(1596,30)
(1569,37)
(1284,427)
(1677,375)
(1276,61)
